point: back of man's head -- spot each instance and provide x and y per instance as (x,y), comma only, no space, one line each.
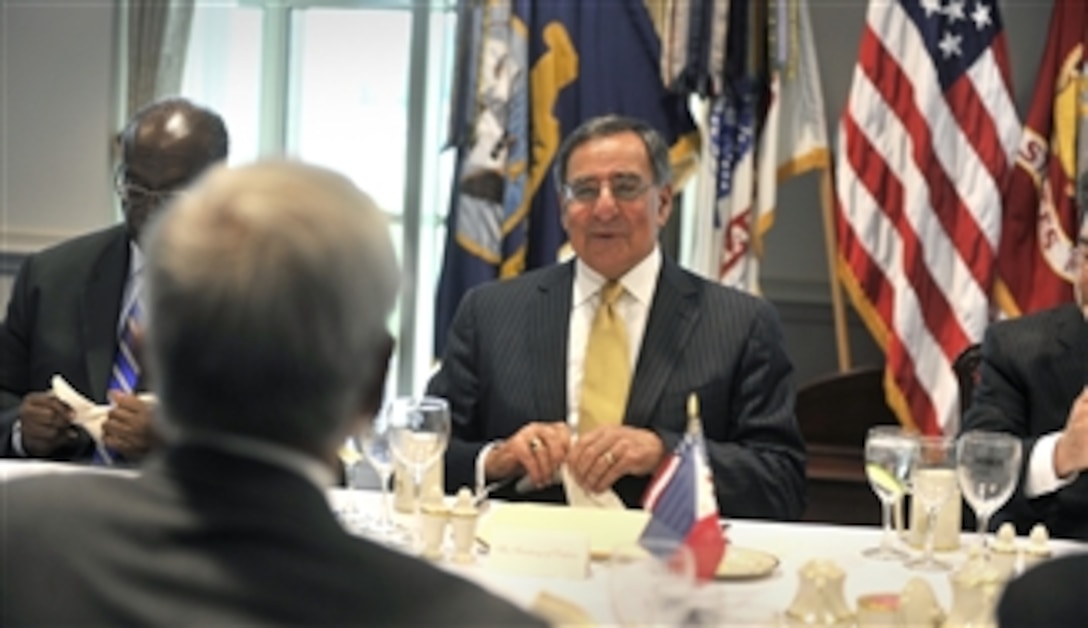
(269,287)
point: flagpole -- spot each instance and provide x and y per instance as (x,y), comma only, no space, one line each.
(842,341)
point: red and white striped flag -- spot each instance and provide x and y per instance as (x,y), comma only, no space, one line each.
(925,143)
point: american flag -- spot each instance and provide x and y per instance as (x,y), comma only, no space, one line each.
(682,507)
(925,142)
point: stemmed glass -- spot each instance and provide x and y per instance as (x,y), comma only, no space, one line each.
(988,467)
(889,451)
(651,582)
(373,441)
(932,483)
(419,429)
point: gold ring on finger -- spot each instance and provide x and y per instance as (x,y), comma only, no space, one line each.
(609,458)
(535,444)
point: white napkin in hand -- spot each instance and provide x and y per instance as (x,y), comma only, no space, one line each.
(578,496)
(87,413)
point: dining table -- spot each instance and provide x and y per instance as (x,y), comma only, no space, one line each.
(757,597)
(760,597)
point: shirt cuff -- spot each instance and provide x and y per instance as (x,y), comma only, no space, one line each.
(481,467)
(1042,479)
(17,438)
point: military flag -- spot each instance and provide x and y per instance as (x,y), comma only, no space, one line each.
(765,126)
(583,59)
(1035,259)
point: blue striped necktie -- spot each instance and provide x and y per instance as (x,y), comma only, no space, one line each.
(126,368)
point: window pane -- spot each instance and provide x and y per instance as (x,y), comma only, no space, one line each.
(223,71)
(349,96)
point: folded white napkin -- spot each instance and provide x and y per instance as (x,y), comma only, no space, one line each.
(579,496)
(87,413)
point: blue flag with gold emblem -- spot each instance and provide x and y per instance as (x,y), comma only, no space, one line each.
(539,69)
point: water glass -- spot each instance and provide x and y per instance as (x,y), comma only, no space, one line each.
(651,582)
(889,451)
(988,469)
(932,484)
(373,441)
(419,432)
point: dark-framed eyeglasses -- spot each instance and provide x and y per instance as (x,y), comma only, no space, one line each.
(138,194)
(624,188)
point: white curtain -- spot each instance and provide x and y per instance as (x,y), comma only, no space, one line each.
(158,34)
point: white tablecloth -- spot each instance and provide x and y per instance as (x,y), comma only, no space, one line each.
(759,601)
(754,602)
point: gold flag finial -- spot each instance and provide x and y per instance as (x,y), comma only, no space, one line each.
(693,413)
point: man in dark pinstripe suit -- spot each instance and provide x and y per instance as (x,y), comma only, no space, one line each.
(513,365)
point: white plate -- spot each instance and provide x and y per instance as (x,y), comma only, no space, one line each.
(742,563)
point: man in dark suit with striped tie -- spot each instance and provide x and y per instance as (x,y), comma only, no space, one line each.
(75,307)
(1034,384)
(576,377)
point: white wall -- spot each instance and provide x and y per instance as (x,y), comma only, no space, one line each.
(56,120)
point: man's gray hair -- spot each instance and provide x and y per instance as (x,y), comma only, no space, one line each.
(269,288)
(607,126)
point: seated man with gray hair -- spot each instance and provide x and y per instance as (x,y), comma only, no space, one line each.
(269,287)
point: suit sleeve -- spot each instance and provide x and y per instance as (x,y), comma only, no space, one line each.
(753,440)
(20,326)
(1000,404)
(761,473)
(15,333)
(458,381)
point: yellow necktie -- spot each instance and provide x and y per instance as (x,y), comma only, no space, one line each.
(607,371)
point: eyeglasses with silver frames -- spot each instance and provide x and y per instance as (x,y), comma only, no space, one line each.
(623,187)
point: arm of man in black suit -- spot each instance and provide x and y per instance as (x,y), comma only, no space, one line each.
(45,421)
(531,446)
(753,441)
(1000,404)
(762,471)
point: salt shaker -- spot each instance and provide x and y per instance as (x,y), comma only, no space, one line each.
(1004,550)
(434,515)
(1038,547)
(463,518)
(820,598)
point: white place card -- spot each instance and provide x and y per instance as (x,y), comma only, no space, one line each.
(539,553)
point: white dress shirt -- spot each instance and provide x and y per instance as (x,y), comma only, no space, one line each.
(1042,479)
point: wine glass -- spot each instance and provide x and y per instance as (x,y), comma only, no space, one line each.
(888,454)
(988,468)
(419,431)
(932,483)
(373,441)
(651,582)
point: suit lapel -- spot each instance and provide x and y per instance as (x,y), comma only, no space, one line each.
(100,309)
(549,328)
(672,317)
